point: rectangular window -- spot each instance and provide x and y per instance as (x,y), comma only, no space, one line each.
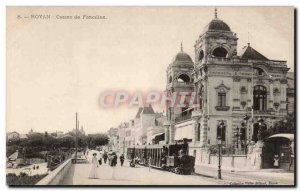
(221,132)
(198,133)
(221,99)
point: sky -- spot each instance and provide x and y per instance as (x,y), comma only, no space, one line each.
(57,67)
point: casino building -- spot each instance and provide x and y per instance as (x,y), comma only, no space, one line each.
(227,84)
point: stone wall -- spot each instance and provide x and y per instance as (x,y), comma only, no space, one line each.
(56,176)
(250,161)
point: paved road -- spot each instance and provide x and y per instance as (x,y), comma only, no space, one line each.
(78,175)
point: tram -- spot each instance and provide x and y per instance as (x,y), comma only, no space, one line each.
(171,157)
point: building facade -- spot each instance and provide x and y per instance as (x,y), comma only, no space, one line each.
(231,89)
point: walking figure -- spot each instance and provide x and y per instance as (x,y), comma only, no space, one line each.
(276,161)
(113,160)
(95,164)
(122,159)
(105,157)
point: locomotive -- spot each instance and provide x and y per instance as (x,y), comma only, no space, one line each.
(171,157)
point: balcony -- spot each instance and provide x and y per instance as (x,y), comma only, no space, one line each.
(197,113)
(222,108)
(219,60)
(183,118)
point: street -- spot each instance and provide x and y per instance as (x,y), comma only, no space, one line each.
(141,175)
(78,175)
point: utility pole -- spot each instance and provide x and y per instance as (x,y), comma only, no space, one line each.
(76,141)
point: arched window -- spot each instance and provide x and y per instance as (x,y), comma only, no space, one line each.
(260,98)
(220,52)
(201,55)
(183,78)
(170,79)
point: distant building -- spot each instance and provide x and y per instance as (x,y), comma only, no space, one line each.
(12,135)
(31,132)
(80,132)
(113,136)
(23,136)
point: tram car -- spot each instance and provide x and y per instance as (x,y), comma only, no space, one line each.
(171,157)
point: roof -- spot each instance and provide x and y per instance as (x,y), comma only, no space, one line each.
(250,53)
(16,155)
(23,136)
(283,135)
(144,110)
(182,57)
(148,110)
(217,25)
(138,115)
(12,132)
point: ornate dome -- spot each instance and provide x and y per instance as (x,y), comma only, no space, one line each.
(182,57)
(218,25)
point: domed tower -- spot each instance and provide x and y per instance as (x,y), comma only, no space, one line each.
(216,40)
(179,79)
(214,51)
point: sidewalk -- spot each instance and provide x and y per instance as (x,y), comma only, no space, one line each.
(246,169)
(274,176)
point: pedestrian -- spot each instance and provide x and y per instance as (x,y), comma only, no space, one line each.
(122,159)
(37,167)
(100,161)
(113,159)
(105,157)
(276,161)
(95,164)
(33,167)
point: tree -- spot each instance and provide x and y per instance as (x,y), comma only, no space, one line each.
(94,140)
(286,125)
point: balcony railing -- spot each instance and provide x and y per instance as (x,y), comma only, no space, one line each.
(183,118)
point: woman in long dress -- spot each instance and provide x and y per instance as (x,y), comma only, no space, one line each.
(95,163)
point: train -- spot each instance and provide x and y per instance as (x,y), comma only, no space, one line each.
(170,157)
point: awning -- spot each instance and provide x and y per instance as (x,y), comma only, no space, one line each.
(153,136)
(283,135)
(185,132)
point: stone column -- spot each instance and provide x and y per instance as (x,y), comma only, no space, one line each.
(195,129)
(167,131)
(250,94)
(283,86)
(236,93)
(172,133)
(203,135)
(271,100)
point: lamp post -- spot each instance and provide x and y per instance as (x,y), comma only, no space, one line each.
(260,130)
(219,141)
